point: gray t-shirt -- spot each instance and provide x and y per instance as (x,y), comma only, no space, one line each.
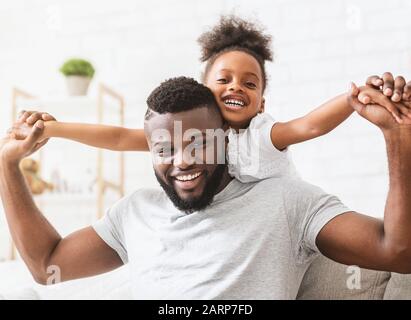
(255,241)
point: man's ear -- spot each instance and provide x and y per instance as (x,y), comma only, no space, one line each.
(262,107)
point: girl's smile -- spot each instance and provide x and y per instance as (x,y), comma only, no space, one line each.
(235,78)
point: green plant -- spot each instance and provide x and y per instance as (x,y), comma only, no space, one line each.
(77,67)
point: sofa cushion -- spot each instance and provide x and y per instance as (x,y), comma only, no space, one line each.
(114,285)
(399,287)
(327,280)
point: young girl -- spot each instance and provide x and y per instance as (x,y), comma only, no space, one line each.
(235,52)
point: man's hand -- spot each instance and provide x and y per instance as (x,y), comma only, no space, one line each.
(397,89)
(13,150)
(26,119)
(375,112)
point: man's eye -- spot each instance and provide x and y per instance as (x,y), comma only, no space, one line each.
(198,145)
(222,80)
(164,152)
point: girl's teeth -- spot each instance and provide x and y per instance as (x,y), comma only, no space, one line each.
(234,102)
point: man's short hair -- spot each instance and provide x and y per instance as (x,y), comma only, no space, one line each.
(179,94)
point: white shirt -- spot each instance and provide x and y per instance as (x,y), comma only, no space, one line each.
(252,156)
(255,240)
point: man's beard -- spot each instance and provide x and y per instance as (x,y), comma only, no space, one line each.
(197,203)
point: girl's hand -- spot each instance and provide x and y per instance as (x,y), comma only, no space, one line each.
(31,117)
(376,111)
(367,96)
(26,119)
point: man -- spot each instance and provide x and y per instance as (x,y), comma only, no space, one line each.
(207,236)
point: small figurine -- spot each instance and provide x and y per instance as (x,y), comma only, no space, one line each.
(30,169)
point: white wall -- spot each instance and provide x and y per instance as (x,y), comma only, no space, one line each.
(320,45)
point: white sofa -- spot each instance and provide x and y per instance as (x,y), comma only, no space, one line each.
(324,280)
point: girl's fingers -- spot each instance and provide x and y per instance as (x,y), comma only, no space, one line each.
(364,98)
(407,92)
(353,89)
(47,117)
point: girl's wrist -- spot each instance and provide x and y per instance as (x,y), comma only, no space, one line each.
(48,125)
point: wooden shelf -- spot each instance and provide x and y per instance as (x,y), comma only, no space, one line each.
(78,109)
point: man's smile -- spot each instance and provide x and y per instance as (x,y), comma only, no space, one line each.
(188,181)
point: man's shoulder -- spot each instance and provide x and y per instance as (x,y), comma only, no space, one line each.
(143,196)
(287,184)
(153,194)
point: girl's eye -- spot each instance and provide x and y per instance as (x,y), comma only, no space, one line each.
(251,85)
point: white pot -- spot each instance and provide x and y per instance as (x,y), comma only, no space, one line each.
(77,85)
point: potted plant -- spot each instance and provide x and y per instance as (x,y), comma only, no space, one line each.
(78,74)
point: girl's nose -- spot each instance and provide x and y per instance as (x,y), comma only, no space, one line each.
(235,87)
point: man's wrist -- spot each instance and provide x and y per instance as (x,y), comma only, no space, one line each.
(398,134)
(7,162)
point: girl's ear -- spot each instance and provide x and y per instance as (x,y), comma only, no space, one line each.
(262,105)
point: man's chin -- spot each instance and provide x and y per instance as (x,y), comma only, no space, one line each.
(197,199)
(189,195)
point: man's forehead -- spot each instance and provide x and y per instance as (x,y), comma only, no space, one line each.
(199,118)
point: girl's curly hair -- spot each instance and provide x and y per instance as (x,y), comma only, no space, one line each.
(235,34)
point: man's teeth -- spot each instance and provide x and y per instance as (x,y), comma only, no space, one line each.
(234,102)
(188,177)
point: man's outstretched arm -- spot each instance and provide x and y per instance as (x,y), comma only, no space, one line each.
(357,239)
(80,254)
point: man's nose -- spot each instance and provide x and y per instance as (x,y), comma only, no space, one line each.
(183,160)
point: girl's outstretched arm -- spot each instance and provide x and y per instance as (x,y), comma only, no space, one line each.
(331,114)
(316,123)
(96,135)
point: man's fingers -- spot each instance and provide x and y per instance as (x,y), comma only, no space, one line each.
(405,107)
(404,110)
(399,84)
(40,144)
(20,114)
(407,92)
(14,132)
(34,135)
(22,117)
(388,87)
(34,118)
(375,82)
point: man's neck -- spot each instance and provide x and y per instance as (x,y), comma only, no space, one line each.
(225,180)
